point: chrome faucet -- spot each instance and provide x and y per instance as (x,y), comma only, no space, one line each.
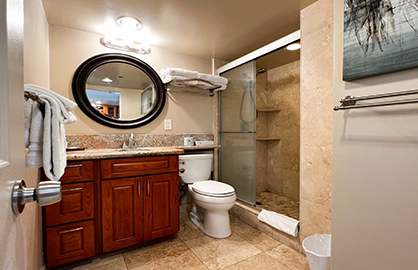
(131,142)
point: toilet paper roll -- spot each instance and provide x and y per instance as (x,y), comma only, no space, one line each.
(183,170)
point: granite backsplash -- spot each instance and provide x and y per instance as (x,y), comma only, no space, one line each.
(104,141)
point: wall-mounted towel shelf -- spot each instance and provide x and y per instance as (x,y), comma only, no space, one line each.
(182,86)
(350,102)
(190,90)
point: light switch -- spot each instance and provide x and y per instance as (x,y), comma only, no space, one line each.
(168,124)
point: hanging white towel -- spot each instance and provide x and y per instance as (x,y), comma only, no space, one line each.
(66,106)
(45,132)
(281,222)
(34,134)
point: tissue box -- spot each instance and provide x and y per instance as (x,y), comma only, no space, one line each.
(200,143)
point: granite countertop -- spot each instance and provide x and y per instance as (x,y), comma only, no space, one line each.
(132,152)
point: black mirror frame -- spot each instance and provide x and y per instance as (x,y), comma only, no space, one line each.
(87,67)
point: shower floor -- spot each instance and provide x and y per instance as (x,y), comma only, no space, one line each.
(280,204)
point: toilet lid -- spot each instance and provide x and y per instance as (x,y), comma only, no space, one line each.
(213,188)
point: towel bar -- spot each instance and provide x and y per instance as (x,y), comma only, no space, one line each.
(349,102)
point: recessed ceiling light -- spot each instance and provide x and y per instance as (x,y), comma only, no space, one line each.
(129,23)
(293,47)
(107,80)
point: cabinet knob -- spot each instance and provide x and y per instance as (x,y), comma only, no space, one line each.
(46,193)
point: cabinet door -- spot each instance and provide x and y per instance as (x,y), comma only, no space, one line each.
(69,243)
(122,209)
(161,205)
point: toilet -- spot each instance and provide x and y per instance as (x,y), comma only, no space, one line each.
(211,200)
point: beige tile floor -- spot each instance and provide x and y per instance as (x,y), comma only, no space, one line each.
(246,248)
(278,204)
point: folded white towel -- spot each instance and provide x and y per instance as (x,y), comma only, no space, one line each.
(213,78)
(184,78)
(178,79)
(179,72)
(66,106)
(281,222)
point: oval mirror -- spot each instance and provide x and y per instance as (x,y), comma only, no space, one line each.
(118,90)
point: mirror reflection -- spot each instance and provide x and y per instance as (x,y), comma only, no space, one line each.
(120,91)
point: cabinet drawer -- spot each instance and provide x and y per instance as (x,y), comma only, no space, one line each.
(69,243)
(77,204)
(114,168)
(78,171)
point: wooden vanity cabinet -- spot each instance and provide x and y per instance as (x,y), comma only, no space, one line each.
(141,208)
(69,225)
(111,204)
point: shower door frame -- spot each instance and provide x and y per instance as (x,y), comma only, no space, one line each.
(269,48)
(275,45)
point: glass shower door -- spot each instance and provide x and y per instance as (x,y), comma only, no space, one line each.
(238,131)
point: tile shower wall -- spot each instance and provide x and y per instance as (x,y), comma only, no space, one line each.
(316,117)
(278,161)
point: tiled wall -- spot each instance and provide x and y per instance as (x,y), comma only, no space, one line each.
(278,161)
(316,117)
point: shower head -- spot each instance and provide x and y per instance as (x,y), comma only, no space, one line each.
(260,70)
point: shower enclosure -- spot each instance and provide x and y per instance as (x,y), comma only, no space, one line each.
(238,131)
(259,131)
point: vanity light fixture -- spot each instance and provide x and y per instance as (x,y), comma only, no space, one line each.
(125,45)
(129,23)
(293,46)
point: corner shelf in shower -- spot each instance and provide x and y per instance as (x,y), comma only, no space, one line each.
(268,139)
(269,110)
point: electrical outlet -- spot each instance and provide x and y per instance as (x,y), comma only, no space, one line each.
(168,124)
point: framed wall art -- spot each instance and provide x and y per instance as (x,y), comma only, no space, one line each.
(380,36)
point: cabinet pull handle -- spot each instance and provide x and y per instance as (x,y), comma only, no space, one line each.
(147,186)
(139,188)
(75,166)
(71,230)
(72,189)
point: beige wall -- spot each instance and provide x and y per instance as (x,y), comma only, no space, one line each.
(316,118)
(281,90)
(191,113)
(375,153)
(36,71)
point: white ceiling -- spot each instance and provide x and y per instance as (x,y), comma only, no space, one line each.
(221,29)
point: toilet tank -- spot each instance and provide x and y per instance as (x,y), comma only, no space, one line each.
(194,168)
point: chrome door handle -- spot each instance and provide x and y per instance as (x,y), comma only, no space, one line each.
(147,186)
(46,193)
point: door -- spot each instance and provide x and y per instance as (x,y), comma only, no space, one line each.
(13,254)
(237,162)
(161,205)
(122,209)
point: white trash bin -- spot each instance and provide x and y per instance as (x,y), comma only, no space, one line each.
(318,251)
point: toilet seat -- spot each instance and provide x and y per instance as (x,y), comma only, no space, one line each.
(213,189)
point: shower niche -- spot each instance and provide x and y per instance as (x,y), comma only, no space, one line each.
(260,131)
